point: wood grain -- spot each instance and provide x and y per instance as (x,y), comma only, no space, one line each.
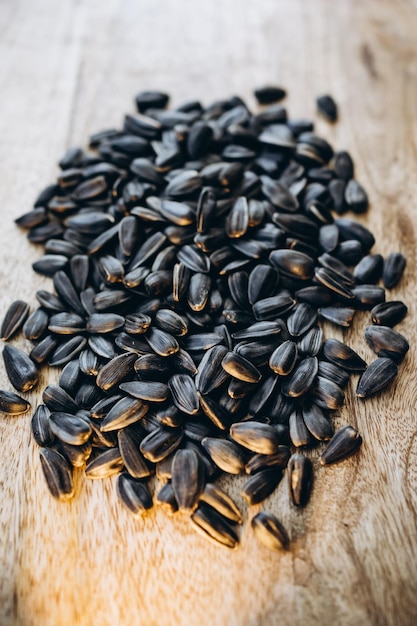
(71,68)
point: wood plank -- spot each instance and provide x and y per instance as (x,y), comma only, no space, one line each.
(69,71)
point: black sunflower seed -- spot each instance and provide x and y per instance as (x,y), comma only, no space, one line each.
(389,313)
(269,531)
(340,354)
(327,107)
(58,474)
(21,370)
(394,266)
(300,479)
(345,442)
(14,319)
(12,404)
(386,342)
(261,485)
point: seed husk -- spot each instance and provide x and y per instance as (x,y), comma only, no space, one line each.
(369,269)
(345,442)
(58,474)
(300,479)
(378,375)
(356,197)
(284,358)
(327,394)
(12,404)
(14,319)
(21,370)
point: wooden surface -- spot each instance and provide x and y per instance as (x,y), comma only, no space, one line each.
(69,68)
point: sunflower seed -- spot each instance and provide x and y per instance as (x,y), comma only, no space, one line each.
(300,479)
(293,263)
(58,474)
(389,313)
(12,404)
(299,435)
(301,378)
(14,319)
(340,354)
(327,394)
(160,443)
(269,94)
(345,442)
(184,393)
(69,428)
(218,500)
(147,391)
(134,494)
(41,427)
(386,342)
(187,478)
(257,437)
(66,324)
(214,526)
(333,372)
(125,412)
(341,316)
(115,370)
(105,464)
(327,107)
(317,423)
(21,370)
(261,485)
(269,531)
(226,455)
(166,498)
(376,377)
(394,266)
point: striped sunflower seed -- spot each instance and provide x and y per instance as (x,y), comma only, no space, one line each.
(386,342)
(269,531)
(134,494)
(69,428)
(187,478)
(345,442)
(58,474)
(257,437)
(261,485)
(106,463)
(12,404)
(389,313)
(21,370)
(14,319)
(213,525)
(378,375)
(300,479)
(218,500)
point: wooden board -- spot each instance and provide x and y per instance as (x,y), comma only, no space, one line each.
(70,68)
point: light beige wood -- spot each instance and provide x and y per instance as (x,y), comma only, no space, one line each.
(70,68)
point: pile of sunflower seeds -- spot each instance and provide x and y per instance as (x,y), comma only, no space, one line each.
(193,254)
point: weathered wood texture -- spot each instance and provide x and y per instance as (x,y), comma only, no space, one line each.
(70,68)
